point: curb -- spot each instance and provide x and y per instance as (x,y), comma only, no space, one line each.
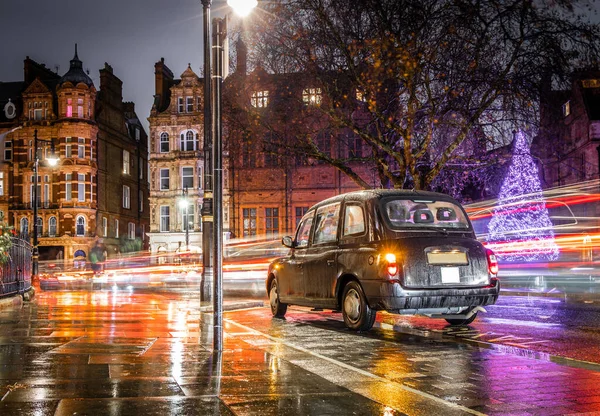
(11,302)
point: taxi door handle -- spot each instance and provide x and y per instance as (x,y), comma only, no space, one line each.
(330,262)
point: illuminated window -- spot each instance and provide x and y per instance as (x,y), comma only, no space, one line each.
(116,228)
(360,96)
(69,107)
(105,226)
(566,108)
(126,165)
(80,107)
(311,96)
(131,231)
(249,221)
(1,183)
(259,99)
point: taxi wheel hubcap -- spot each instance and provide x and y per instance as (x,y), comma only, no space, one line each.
(273,297)
(352,305)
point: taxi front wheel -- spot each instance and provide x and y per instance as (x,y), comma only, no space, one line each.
(355,309)
(278,309)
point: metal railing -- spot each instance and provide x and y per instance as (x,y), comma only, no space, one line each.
(15,274)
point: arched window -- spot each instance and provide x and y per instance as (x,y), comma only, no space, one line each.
(40,226)
(24,226)
(188,142)
(52,227)
(164,142)
(80,226)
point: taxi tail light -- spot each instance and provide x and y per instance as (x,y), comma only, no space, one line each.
(392,265)
(492,261)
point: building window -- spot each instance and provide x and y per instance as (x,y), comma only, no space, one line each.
(300,211)
(137,134)
(52,227)
(566,108)
(360,96)
(126,196)
(200,178)
(248,154)
(39,193)
(164,142)
(198,103)
(105,226)
(141,168)
(69,107)
(7,150)
(188,142)
(271,221)
(126,165)
(164,218)
(324,144)
(68,152)
(131,231)
(354,146)
(46,195)
(311,96)
(189,102)
(24,226)
(116,228)
(259,99)
(80,226)
(40,226)
(80,107)
(187,177)
(188,217)
(141,200)
(81,148)
(68,188)
(249,221)
(180,104)
(164,179)
(37,114)
(1,183)
(80,187)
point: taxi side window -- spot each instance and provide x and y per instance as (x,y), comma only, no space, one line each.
(354,220)
(326,224)
(303,233)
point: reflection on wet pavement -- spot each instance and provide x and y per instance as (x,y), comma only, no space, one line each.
(122,353)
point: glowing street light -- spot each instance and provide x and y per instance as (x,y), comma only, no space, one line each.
(242,7)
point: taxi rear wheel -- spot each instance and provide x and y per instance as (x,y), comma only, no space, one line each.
(357,314)
(278,309)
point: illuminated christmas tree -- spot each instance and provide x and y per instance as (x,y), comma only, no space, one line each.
(520,229)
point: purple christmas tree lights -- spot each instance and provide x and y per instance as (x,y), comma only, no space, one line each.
(520,229)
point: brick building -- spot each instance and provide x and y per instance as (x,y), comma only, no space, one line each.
(177,161)
(91,130)
(568,146)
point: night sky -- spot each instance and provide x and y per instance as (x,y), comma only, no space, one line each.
(131,35)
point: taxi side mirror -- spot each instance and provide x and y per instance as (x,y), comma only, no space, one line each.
(287,241)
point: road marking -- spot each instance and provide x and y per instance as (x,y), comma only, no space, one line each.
(357,370)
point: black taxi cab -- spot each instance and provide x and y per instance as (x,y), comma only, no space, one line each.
(405,252)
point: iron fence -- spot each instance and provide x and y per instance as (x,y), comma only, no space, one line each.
(15,274)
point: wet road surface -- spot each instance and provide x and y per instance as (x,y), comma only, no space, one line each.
(113,353)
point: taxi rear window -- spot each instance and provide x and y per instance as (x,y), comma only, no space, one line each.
(414,213)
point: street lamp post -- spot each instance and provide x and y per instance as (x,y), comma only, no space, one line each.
(207,203)
(52,160)
(212,210)
(184,203)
